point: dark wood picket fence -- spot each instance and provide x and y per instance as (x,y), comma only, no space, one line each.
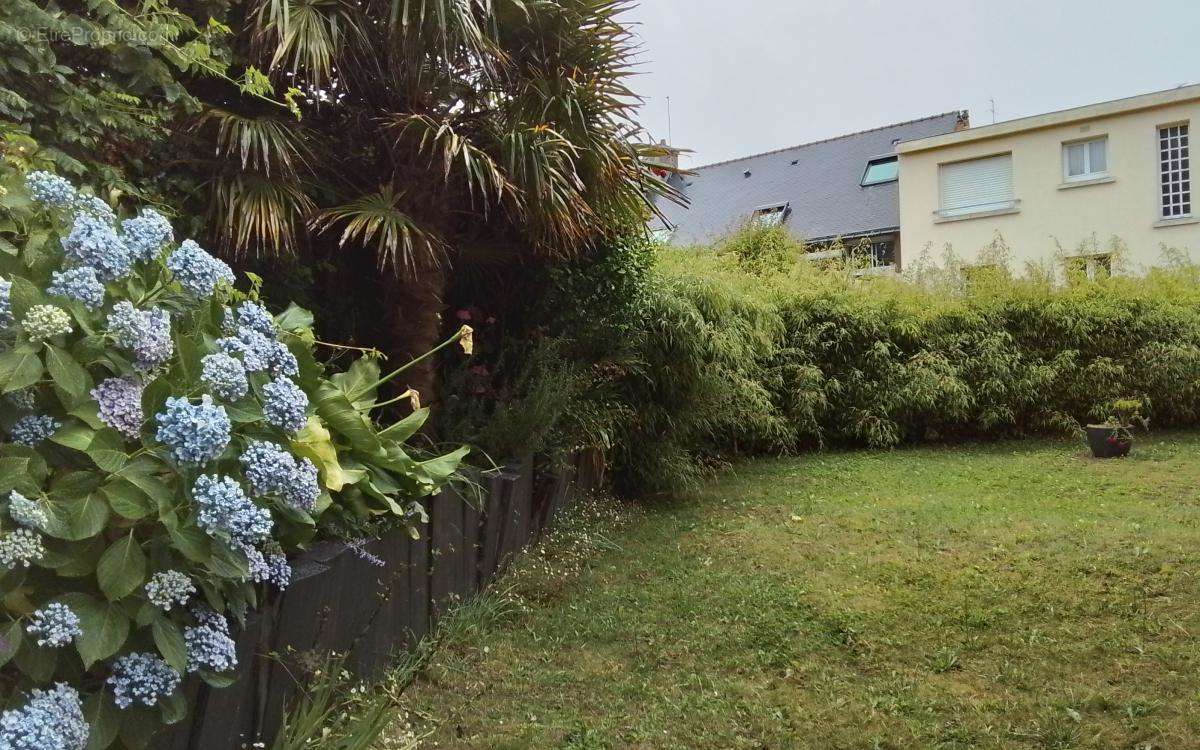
(340,600)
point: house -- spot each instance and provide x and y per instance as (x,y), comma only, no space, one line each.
(841,187)
(1059,184)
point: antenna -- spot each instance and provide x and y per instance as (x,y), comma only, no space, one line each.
(670,140)
(993,101)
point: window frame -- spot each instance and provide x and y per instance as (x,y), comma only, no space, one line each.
(1011,205)
(1088,174)
(763,215)
(863,182)
(1183,181)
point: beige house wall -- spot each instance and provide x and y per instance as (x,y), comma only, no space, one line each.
(1127,206)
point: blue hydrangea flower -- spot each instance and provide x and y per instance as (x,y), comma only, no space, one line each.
(91,205)
(79,283)
(207,617)
(20,548)
(210,647)
(50,189)
(254,316)
(6,316)
(167,588)
(145,333)
(93,242)
(141,678)
(259,352)
(31,430)
(120,404)
(26,512)
(24,399)
(51,720)
(225,375)
(56,625)
(271,567)
(45,322)
(195,433)
(197,271)
(147,234)
(271,470)
(224,509)
(284,405)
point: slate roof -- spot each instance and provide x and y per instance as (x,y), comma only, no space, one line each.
(820,180)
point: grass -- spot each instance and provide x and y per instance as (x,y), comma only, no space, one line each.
(1004,595)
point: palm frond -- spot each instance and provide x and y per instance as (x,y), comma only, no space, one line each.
(259,215)
(479,170)
(376,218)
(541,163)
(308,35)
(260,142)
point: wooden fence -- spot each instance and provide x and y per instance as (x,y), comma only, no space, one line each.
(374,609)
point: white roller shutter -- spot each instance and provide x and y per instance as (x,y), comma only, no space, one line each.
(976,185)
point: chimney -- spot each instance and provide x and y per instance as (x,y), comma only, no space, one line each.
(668,158)
(963,122)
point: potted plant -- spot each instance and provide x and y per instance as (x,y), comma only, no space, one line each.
(1114,437)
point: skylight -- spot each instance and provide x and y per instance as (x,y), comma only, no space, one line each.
(883,169)
(769,216)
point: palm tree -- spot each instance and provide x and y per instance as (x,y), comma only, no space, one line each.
(434,133)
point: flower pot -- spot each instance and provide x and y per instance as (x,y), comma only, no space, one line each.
(1106,443)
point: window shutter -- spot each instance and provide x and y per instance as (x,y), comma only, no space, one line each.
(976,185)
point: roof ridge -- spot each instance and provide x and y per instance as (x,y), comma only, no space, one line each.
(824,140)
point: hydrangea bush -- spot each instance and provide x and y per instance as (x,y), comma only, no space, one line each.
(165,442)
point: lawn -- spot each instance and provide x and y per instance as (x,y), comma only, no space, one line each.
(1015,595)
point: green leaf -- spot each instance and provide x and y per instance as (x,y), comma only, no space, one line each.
(74,559)
(315,443)
(75,436)
(192,543)
(10,641)
(37,662)
(342,418)
(441,468)
(107,450)
(294,319)
(122,568)
(103,721)
(24,293)
(73,517)
(20,368)
(128,500)
(13,475)
(105,627)
(174,707)
(169,642)
(159,488)
(407,427)
(228,563)
(67,373)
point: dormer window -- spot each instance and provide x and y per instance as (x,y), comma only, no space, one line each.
(883,169)
(769,216)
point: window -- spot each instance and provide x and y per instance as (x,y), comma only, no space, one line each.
(1085,160)
(976,186)
(1089,266)
(885,169)
(769,216)
(882,252)
(1175,170)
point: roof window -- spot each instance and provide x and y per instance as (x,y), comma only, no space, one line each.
(883,169)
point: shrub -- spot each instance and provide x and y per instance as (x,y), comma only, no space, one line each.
(170,442)
(738,359)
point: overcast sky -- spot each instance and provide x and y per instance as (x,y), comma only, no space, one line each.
(746,76)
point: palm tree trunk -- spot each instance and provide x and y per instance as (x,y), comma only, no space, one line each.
(415,326)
